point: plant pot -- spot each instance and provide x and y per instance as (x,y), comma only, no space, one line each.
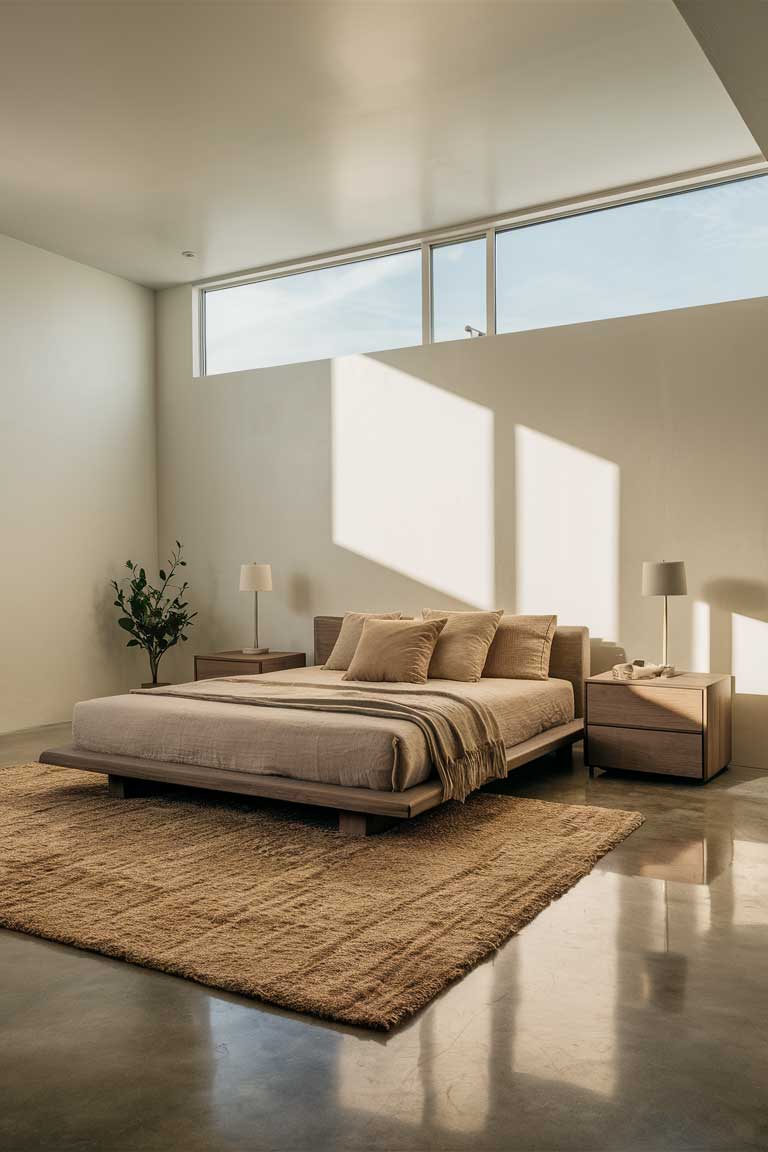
(160,684)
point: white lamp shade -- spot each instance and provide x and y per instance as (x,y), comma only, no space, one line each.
(664,578)
(255,577)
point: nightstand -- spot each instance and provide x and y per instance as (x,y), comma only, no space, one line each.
(245,664)
(679,726)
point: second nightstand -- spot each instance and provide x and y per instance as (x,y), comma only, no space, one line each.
(679,726)
(236,663)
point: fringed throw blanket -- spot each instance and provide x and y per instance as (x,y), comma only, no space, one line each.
(462,736)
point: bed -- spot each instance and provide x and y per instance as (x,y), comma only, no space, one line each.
(374,770)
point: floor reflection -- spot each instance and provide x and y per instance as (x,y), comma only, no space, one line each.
(604,1022)
(631,1013)
(433,1095)
(750,869)
(91,1044)
(697,860)
(564,1024)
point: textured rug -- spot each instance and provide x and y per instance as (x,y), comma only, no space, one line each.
(261,902)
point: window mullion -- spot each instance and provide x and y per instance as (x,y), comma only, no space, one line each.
(490,282)
(426,294)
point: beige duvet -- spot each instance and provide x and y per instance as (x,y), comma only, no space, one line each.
(334,748)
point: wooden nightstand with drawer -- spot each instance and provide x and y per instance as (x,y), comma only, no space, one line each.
(678,726)
(236,663)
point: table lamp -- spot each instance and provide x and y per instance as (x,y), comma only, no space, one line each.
(255,578)
(664,578)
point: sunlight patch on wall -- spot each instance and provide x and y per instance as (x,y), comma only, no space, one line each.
(567,532)
(700,632)
(749,638)
(413,478)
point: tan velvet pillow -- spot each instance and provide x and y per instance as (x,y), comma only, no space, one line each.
(521,648)
(462,647)
(349,637)
(396,651)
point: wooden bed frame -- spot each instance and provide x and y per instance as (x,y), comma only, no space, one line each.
(360,810)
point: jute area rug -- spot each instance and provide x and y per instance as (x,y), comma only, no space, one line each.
(264,902)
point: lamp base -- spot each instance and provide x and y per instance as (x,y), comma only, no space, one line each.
(255,651)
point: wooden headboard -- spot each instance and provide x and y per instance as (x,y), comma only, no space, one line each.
(569,659)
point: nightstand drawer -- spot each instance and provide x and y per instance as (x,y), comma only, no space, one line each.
(283,663)
(235,663)
(206,669)
(643,750)
(637,706)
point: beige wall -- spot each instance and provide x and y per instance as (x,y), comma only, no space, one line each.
(588,449)
(77,477)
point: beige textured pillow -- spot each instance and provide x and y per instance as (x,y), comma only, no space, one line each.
(397,651)
(521,648)
(463,644)
(349,637)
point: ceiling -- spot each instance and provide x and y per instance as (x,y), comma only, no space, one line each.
(253,133)
(734,37)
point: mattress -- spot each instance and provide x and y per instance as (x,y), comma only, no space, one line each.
(331,748)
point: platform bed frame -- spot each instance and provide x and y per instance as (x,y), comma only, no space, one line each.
(361,811)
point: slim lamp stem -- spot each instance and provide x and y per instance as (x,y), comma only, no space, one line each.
(665,633)
(256,622)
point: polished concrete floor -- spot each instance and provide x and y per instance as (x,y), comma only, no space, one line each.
(631,1014)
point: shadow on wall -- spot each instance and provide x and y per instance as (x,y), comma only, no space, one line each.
(731,632)
(603,654)
(428,485)
(455,488)
(299,593)
(527,444)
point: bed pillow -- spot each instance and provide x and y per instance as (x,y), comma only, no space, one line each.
(349,637)
(521,648)
(462,647)
(396,651)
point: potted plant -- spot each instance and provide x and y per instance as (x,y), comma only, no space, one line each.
(156,618)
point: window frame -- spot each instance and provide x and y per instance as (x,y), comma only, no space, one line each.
(748,169)
(434,244)
(315,266)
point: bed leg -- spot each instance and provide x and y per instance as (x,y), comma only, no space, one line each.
(564,756)
(364,824)
(126,787)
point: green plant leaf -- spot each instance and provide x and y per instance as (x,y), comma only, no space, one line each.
(155,617)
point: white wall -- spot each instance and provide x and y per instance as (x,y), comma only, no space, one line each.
(77,477)
(587,449)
